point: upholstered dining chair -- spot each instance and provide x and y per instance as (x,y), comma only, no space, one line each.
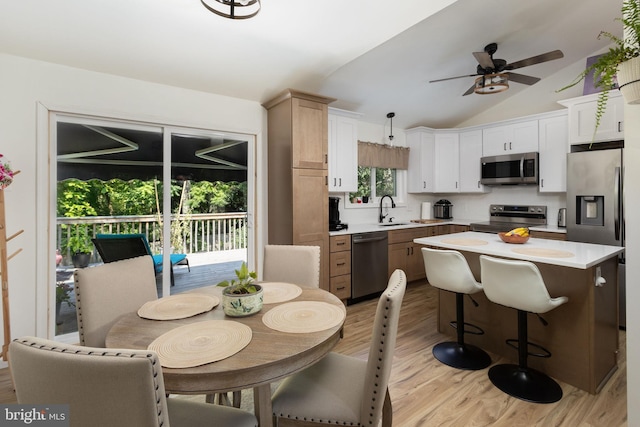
(116,387)
(107,291)
(292,264)
(344,390)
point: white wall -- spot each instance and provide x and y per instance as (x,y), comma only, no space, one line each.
(25,83)
(632,222)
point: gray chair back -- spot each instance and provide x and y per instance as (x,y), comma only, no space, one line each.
(292,264)
(106,292)
(102,388)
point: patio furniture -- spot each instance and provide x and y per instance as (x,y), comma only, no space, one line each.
(116,247)
(108,388)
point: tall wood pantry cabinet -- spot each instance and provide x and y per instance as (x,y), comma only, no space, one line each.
(297,172)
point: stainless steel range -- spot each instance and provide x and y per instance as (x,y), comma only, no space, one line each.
(507,217)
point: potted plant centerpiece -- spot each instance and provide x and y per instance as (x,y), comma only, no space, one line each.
(621,62)
(80,247)
(241,296)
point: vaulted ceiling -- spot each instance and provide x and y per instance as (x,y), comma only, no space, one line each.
(374,56)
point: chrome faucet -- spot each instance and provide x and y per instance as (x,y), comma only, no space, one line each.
(393,205)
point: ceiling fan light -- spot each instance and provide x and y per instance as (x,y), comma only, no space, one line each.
(233,9)
(491,83)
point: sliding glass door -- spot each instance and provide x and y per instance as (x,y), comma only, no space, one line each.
(185,191)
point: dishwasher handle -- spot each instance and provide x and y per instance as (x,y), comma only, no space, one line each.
(358,239)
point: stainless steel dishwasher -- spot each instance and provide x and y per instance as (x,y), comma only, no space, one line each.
(369,265)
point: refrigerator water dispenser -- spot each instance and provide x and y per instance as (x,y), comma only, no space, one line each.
(590,210)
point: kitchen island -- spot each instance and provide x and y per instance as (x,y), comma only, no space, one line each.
(582,334)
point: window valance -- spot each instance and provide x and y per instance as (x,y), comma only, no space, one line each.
(382,155)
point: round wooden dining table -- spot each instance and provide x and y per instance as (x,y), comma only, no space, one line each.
(270,355)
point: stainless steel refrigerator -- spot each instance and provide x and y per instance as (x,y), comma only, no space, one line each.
(595,210)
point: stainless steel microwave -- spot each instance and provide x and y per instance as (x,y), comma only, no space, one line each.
(521,168)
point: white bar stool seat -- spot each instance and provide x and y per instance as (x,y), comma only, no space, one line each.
(519,285)
(448,270)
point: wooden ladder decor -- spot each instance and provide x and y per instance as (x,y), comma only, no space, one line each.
(4,258)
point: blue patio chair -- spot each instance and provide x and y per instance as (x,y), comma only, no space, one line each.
(116,247)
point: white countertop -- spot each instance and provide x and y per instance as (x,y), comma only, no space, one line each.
(369,227)
(558,252)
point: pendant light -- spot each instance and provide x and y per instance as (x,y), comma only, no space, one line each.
(233,9)
(391,116)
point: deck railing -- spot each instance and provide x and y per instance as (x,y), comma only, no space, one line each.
(189,233)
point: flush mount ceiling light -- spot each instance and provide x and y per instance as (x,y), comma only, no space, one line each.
(233,9)
(491,83)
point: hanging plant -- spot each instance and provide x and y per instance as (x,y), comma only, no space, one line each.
(606,66)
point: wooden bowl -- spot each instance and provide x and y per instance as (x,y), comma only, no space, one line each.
(515,238)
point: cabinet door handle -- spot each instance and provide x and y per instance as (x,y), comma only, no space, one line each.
(408,251)
(542,183)
(478,184)
(340,263)
(504,147)
(456,184)
(411,250)
(341,243)
(510,147)
(424,184)
(339,182)
(619,126)
(326,159)
(340,288)
(334,182)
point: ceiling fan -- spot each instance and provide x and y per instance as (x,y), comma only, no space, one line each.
(494,74)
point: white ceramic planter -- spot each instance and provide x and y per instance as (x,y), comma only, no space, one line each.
(240,305)
(628,77)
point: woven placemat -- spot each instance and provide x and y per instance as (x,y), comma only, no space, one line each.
(275,292)
(201,343)
(301,317)
(542,252)
(465,242)
(178,306)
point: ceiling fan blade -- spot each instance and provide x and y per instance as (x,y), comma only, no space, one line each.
(549,56)
(451,78)
(484,59)
(470,90)
(521,78)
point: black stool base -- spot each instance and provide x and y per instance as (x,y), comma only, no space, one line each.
(526,384)
(461,356)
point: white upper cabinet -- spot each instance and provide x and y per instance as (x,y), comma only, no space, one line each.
(446,163)
(582,119)
(470,147)
(343,151)
(421,143)
(554,145)
(512,138)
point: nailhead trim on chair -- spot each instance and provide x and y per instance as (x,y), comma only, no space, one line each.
(80,350)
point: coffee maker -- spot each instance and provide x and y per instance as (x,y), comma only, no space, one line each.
(334,215)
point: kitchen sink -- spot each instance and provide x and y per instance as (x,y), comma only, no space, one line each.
(389,224)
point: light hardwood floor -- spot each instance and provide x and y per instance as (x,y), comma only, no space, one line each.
(427,393)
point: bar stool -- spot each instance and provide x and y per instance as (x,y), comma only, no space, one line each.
(448,270)
(519,285)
